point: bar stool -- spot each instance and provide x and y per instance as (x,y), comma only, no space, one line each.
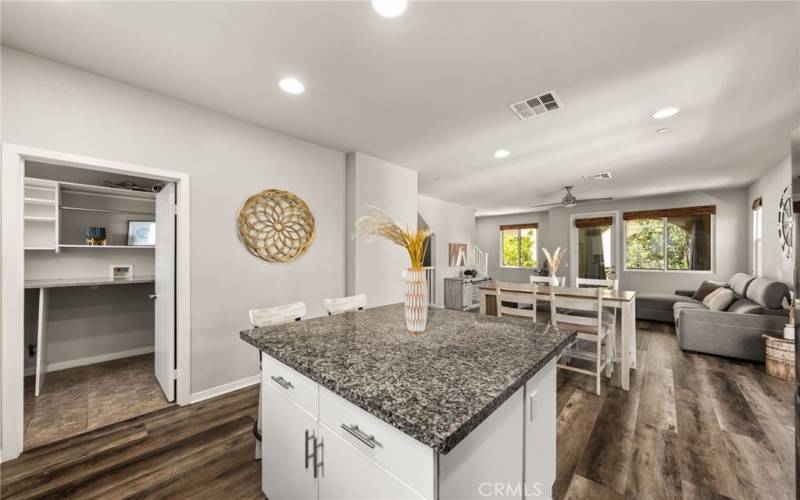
(269,316)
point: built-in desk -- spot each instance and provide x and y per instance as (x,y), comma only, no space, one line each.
(44,285)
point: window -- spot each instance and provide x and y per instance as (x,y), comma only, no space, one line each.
(758,238)
(669,240)
(518,245)
(594,246)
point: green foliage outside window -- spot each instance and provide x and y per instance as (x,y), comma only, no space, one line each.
(519,247)
(688,242)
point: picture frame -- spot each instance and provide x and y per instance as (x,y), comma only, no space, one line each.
(141,233)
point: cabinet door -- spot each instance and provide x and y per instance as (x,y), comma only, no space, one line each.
(347,474)
(540,433)
(285,474)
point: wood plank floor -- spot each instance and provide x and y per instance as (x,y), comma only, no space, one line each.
(692,427)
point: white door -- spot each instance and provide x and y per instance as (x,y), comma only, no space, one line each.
(288,436)
(165,290)
(347,474)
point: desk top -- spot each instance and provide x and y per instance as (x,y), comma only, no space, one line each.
(621,295)
(67,282)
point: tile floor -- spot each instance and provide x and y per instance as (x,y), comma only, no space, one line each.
(87,397)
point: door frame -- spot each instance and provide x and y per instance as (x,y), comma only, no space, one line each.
(573,241)
(12,281)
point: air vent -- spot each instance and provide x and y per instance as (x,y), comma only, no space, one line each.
(536,105)
(597,177)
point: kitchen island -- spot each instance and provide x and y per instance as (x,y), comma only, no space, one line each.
(353,406)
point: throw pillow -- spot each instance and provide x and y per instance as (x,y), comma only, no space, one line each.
(719,299)
(704,289)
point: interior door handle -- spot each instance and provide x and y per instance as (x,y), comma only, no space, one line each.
(153,296)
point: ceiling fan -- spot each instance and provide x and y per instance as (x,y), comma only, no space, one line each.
(569,199)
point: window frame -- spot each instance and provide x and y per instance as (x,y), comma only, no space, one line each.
(757,241)
(535,227)
(664,269)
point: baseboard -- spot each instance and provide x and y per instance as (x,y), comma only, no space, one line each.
(63,365)
(224,388)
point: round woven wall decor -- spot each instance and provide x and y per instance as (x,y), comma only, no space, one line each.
(276,225)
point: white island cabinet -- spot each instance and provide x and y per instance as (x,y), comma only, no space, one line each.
(317,445)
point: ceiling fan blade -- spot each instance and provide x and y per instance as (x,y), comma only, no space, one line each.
(546,205)
(587,200)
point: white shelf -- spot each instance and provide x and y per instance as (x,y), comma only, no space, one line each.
(40,201)
(52,249)
(31,218)
(33,182)
(108,211)
(109,247)
(87,189)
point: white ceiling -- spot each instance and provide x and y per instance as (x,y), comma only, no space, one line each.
(430,90)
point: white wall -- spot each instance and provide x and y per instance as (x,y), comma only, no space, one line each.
(770,186)
(451,223)
(52,106)
(730,249)
(375,268)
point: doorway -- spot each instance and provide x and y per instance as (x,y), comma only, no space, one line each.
(80,261)
(594,241)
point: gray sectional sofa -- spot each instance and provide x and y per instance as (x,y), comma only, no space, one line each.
(735,331)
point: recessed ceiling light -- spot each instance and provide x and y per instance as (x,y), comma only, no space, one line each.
(665,113)
(292,86)
(501,153)
(389,8)
(662,130)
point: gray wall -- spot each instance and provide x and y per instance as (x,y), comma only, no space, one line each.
(52,106)
(731,226)
(770,186)
(451,223)
(375,268)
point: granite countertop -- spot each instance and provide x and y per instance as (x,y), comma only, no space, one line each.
(436,387)
(66,282)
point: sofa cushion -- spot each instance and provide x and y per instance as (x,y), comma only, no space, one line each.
(767,293)
(744,306)
(705,288)
(719,299)
(739,282)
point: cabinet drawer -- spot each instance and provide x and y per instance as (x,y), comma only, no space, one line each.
(405,457)
(299,388)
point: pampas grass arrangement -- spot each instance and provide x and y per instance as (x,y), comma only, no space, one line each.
(554,261)
(376,225)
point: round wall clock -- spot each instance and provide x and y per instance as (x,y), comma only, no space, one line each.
(276,225)
(785,223)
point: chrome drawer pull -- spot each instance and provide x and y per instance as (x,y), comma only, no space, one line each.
(317,464)
(282,382)
(367,439)
(309,437)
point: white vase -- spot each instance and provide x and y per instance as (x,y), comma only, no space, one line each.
(788,332)
(554,281)
(416,300)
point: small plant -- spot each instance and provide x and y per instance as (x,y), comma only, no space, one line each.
(376,224)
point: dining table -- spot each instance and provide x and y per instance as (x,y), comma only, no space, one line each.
(625,300)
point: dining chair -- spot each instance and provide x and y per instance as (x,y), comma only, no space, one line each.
(344,304)
(269,316)
(521,294)
(566,304)
(609,316)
